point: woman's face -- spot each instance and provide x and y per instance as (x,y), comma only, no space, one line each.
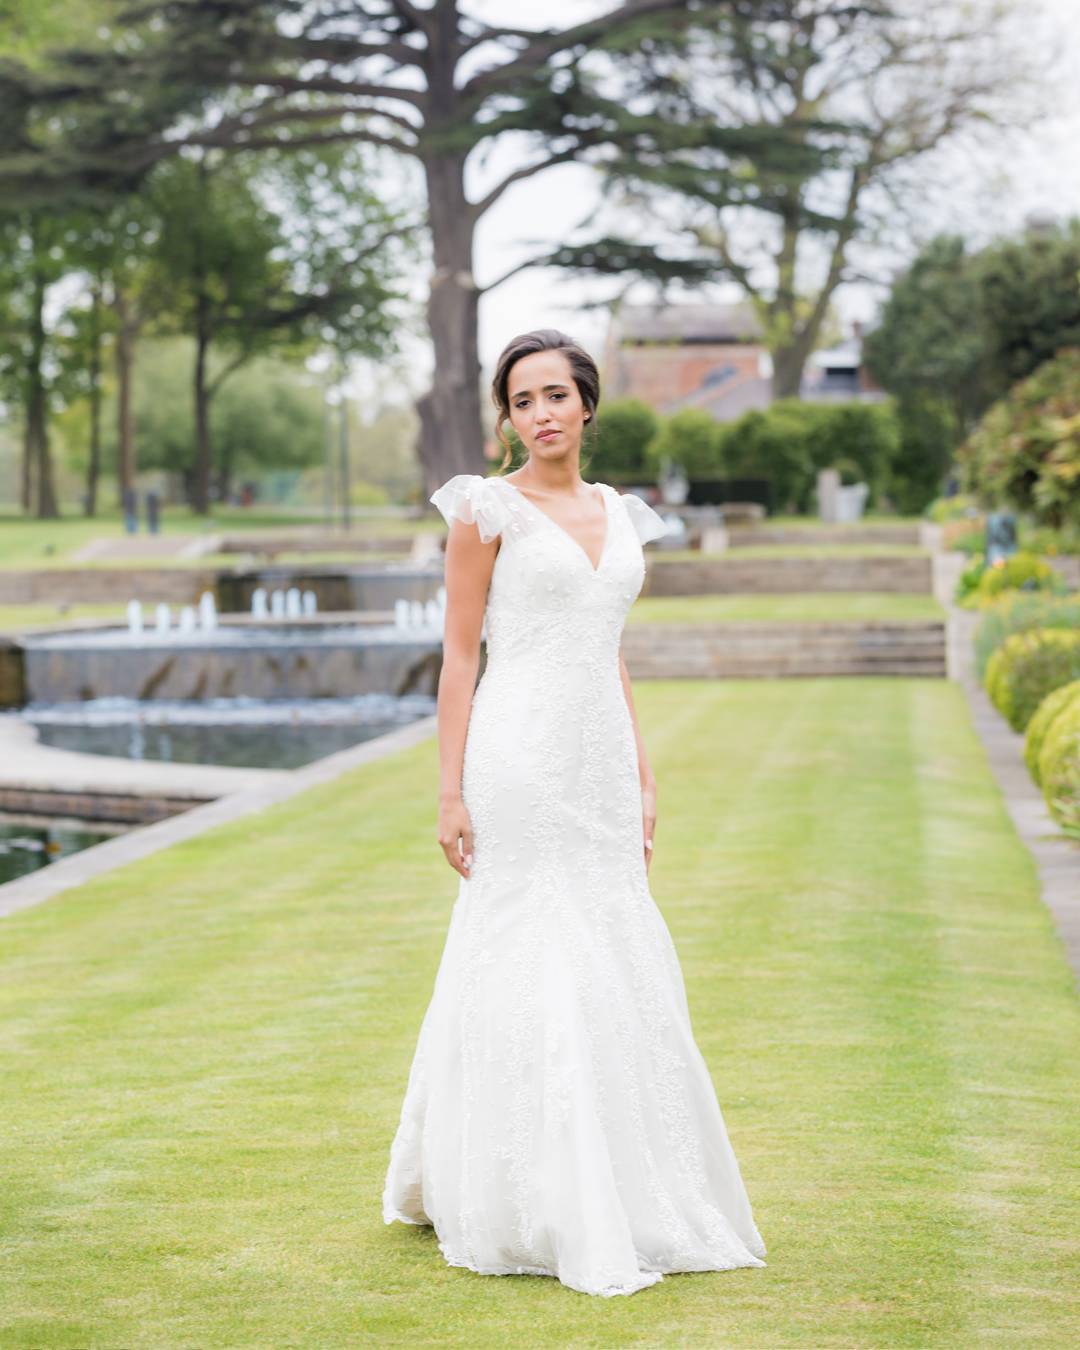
(546,409)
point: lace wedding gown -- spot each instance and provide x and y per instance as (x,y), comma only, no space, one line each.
(559,1118)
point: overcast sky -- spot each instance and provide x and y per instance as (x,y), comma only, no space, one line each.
(991,194)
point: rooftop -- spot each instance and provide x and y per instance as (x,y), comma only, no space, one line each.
(688,323)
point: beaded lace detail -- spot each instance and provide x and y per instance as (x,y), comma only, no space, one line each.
(559,1118)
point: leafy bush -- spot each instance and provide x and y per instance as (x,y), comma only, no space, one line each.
(786,444)
(968,582)
(625,428)
(1026,449)
(1059,767)
(690,437)
(1042,720)
(979,584)
(1018,612)
(773,445)
(960,506)
(1027,667)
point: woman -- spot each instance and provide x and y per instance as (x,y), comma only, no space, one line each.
(559,1118)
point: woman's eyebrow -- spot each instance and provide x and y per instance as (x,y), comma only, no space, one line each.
(547,387)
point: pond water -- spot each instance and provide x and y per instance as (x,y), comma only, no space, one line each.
(241,733)
(28,843)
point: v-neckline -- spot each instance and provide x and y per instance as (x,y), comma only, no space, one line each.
(563,530)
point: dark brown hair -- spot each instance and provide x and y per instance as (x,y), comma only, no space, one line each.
(582,367)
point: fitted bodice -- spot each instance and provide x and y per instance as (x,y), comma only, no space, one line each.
(547,605)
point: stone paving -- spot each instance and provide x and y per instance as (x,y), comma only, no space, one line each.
(274,787)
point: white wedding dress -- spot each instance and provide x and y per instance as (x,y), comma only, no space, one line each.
(559,1118)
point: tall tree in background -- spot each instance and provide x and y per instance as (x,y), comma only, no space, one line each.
(33,257)
(242,276)
(430,82)
(872,88)
(960,327)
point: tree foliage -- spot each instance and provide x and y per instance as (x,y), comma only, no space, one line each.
(834,104)
(1026,450)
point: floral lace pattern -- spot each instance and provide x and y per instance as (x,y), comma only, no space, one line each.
(559,1118)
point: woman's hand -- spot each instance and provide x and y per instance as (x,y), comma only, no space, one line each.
(648,819)
(455,834)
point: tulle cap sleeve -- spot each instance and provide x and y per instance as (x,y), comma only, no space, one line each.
(473,499)
(647,523)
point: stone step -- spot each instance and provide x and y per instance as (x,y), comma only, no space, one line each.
(655,651)
(912,575)
(909,532)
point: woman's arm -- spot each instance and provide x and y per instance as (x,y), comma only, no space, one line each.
(469,562)
(648,782)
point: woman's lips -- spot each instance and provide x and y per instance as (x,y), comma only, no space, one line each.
(546,435)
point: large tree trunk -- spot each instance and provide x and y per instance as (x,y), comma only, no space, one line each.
(204,460)
(126,329)
(93,464)
(37,405)
(451,436)
(789,362)
(26,469)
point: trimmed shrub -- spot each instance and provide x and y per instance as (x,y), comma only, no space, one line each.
(1027,667)
(625,428)
(690,437)
(1018,612)
(1021,572)
(1043,719)
(1059,768)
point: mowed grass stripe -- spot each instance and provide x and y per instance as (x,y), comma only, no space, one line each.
(208,1051)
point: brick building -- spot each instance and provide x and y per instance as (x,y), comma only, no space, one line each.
(713,357)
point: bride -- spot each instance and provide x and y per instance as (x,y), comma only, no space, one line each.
(559,1118)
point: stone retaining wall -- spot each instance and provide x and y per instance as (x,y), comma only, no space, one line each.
(774,576)
(705,651)
(106,585)
(116,808)
(817,535)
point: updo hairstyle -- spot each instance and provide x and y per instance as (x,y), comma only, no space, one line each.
(582,367)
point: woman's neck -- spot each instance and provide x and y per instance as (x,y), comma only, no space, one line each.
(563,477)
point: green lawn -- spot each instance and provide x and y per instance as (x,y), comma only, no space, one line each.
(28,543)
(14,617)
(205,1056)
(817,607)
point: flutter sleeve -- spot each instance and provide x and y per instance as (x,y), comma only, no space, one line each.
(647,523)
(470,498)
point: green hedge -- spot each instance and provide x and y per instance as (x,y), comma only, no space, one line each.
(1043,719)
(786,444)
(1019,612)
(1027,667)
(1059,767)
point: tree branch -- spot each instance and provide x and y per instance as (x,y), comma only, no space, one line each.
(546,43)
(300,142)
(341,50)
(477,209)
(541,261)
(331,84)
(419,18)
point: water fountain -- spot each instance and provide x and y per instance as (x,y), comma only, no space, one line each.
(275,691)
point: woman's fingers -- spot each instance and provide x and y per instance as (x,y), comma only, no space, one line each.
(467,850)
